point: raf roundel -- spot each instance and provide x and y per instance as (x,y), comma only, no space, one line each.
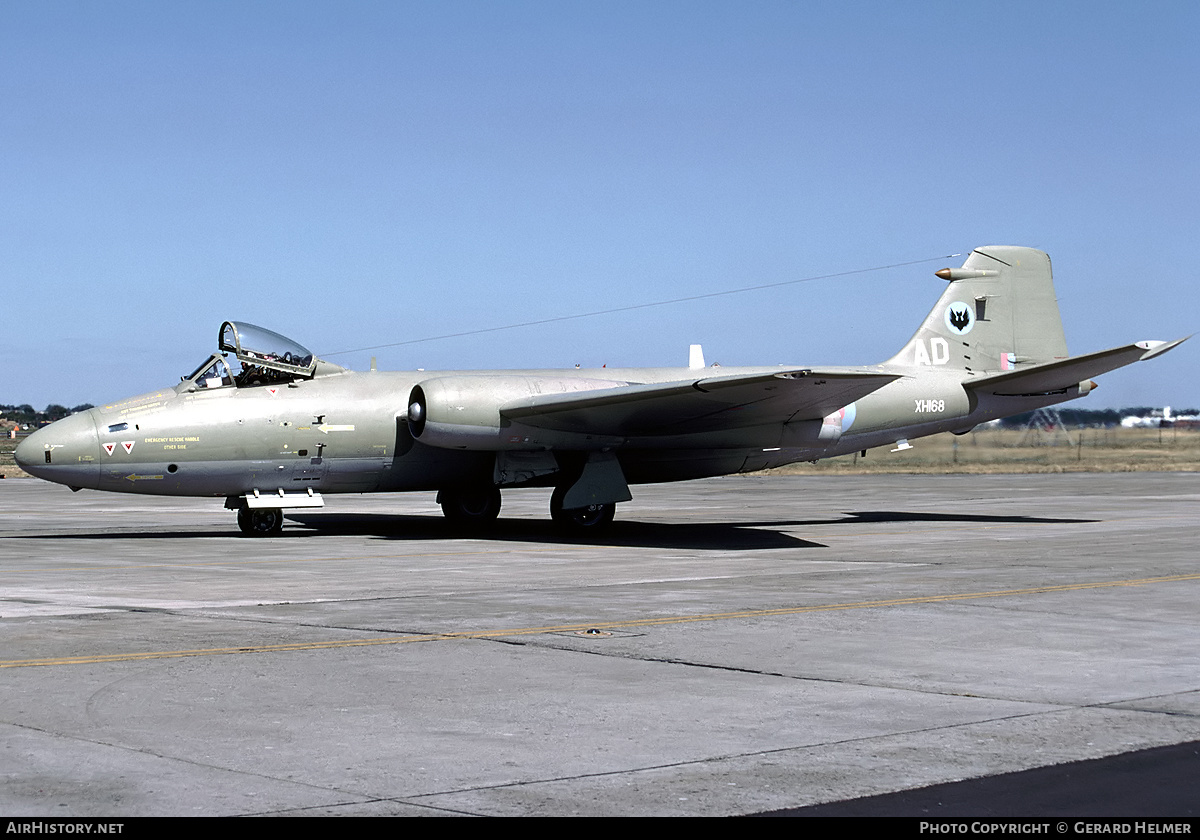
(959,318)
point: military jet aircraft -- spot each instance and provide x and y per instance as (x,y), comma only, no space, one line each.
(288,428)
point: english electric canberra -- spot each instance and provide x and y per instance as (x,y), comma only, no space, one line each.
(285,428)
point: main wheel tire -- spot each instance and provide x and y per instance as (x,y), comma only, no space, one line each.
(590,518)
(471,506)
(260,522)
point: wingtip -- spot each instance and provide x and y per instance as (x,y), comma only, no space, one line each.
(1157,348)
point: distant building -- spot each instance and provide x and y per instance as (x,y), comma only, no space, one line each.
(1159,418)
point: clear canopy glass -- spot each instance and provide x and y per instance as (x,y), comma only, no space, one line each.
(257,346)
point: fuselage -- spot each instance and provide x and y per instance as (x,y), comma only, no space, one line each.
(348,432)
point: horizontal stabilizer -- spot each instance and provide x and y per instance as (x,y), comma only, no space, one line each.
(1055,376)
(699,405)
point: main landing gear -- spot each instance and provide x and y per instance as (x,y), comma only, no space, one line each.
(478,506)
(584,519)
(470,507)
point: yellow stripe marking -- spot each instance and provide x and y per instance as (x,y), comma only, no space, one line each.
(100,567)
(601,625)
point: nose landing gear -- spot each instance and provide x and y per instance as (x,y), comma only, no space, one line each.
(260,522)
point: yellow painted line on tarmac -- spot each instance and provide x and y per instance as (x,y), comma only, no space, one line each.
(101,566)
(601,625)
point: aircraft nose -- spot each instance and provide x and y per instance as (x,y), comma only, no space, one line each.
(29,451)
(65,452)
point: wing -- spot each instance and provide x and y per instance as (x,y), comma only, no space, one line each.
(699,405)
(1055,376)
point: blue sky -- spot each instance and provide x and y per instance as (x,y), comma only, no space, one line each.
(356,174)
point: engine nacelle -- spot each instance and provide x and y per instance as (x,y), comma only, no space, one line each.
(463,412)
(459,412)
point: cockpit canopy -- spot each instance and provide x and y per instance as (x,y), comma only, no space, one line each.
(267,358)
(254,345)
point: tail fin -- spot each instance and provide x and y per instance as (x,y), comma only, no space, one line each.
(999,313)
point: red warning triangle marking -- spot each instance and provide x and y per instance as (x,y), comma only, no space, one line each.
(127,445)
(109,447)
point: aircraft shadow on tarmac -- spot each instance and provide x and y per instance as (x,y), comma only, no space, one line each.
(720,536)
(855,517)
(726,536)
(731,536)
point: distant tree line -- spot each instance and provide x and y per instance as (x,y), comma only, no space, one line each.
(26,415)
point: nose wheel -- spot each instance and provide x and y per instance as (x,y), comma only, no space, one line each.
(260,522)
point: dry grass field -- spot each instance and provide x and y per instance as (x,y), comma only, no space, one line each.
(1017,451)
(982,451)
(8,467)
